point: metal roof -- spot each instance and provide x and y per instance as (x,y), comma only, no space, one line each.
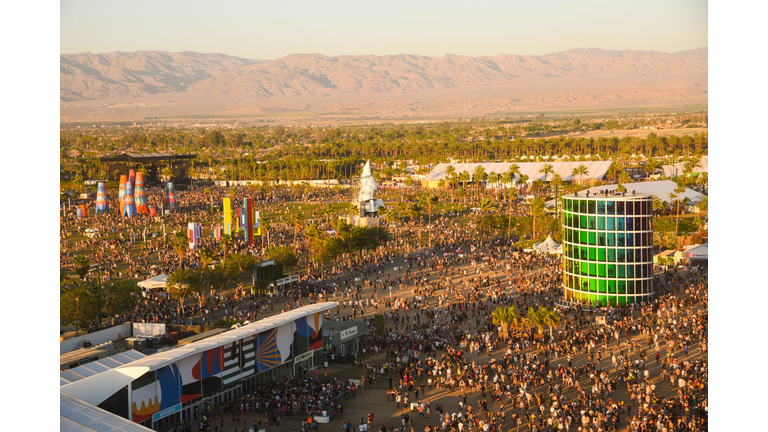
(99,366)
(76,415)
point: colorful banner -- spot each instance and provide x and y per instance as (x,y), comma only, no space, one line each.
(227,216)
(194,232)
(248,219)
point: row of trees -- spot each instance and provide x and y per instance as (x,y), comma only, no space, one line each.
(507,317)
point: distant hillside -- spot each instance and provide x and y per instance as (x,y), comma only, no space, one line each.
(139,84)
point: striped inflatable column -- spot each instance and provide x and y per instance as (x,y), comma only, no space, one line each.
(121,192)
(129,208)
(140,196)
(170,197)
(102,205)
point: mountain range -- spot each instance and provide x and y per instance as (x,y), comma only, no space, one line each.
(155,84)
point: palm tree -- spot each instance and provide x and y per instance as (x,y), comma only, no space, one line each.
(493,178)
(464,178)
(265,224)
(485,205)
(557,181)
(479,176)
(651,166)
(512,172)
(450,173)
(537,211)
(328,210)
(429,201)
(613,170)
(180,244)
(546,169)
(524,181)
(543,316)
(678,190)
(414,211)
(703,179)
(580,171)
(504,317)
(179,285)
(297,220)
(226,245)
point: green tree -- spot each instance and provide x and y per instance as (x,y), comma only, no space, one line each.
(82,266)
(580,171)
(283,256)
(538,210)
(180,285)
(180,244)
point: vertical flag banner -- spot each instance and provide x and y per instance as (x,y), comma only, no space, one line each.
(193,234)
(227,216)
(80,212)
(238,221)
(121,192)
(140,196)
(102,206)
(248,219)
(170,197)
(256,227)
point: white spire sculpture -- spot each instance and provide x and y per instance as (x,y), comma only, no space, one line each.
(366,199)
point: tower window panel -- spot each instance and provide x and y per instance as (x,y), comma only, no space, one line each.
(638,255)
(601,270)
(601,239)
(611,269)
(601,254)
(628,209)
(611,239)
(592,222)
(638,224)
(583,220)
(611,255)
(639,207)
(630,240)
(620,255)
(592,238)
(630,272)
(591,207)
(593,285)
(611,208)
(584,237)
(630,256)
(592,254)
(620,239)
(622,287)
(601,207)
(621,271)
(593,269)
(601,286)
(620,208)
(611,286)
(582,206)
(630,287)
(601,222)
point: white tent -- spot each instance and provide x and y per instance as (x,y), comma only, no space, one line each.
(156,283)
(549,246)
(698,252)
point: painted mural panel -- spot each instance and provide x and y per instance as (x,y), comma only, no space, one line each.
(309,333)
(233,360)
(144,397)
(285,337)
(209,370)
(267,352)
(168,386)
(191,386)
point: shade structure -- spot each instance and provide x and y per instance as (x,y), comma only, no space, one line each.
(170,197)
(140,195)
(129,207)
(102,206)
(121,192)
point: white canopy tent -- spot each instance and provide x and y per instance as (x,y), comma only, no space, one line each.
(155,283)
(549,246)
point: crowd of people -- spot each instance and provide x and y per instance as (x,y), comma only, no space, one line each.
(644,369)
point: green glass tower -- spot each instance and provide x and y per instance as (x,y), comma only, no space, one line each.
(608,248)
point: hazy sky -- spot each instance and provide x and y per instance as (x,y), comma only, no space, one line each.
(272,29)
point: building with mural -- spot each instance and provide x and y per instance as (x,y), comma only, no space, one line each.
(161,389)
